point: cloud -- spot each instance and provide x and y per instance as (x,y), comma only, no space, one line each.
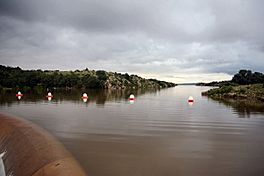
(143,37)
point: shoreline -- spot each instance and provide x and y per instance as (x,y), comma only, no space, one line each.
(251,92)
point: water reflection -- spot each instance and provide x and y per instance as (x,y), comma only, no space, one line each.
(85,100)
(190,103)
(49,98)
(98,96)
(131,101)
(244,108)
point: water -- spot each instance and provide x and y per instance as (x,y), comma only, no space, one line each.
(159,134)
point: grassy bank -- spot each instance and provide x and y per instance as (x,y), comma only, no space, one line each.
(253,92)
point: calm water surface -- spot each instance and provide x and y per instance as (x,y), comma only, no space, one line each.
(159,134)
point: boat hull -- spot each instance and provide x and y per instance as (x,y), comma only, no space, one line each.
(32,151)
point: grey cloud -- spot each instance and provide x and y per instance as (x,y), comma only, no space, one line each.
(161,37)
(88,15)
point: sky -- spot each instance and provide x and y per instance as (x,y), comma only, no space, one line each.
(173,40)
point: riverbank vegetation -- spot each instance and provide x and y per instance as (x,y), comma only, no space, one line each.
(15,77)
(243,77)
(244,85)
(250,92)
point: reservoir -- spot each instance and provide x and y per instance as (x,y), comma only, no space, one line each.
(159,133)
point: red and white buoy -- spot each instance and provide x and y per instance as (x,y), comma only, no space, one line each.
(49,95)
(190,99)
(84,97)
(131,97)
(19,94)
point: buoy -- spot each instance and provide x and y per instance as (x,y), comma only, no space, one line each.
(190,99)
(85,96)
(19,94)
(131,97)
(49,95)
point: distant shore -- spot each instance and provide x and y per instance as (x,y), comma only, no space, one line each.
(16,78)
(251,92)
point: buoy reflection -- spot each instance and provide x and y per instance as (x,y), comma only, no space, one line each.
(131,101)
(85,100)
(49,98)
(190,103)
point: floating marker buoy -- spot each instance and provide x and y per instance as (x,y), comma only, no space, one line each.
(19,94)
(84,96)
(190,99)
(49,95)
(131,97)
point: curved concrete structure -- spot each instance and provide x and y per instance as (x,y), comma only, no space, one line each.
(29,150)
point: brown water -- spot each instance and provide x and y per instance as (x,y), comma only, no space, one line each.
(160,134)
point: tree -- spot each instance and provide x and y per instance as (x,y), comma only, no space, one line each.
(102,75)
(247,77)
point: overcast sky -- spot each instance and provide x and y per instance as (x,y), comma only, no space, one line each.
(173,40)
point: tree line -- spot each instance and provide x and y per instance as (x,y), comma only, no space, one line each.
(15,77)
(243,77)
